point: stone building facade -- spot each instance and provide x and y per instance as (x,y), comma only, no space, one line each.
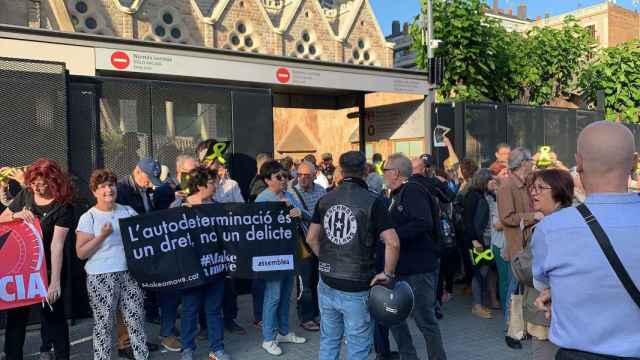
(337,31)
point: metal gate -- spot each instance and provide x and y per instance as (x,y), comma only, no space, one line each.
(478,128)
(33,112)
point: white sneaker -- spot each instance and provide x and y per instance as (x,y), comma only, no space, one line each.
(272,348)
(290,338)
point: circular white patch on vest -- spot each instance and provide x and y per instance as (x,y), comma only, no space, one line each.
(340,224)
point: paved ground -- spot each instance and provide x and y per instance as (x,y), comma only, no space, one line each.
(466,338)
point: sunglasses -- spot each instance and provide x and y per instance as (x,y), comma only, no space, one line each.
(280,176)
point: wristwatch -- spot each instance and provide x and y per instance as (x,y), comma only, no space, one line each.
(389,275)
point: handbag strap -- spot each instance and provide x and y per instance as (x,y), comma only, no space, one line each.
(610,253)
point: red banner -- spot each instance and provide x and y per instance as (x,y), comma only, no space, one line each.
(23,269)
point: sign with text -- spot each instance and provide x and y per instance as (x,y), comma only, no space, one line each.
(189,246)
(23,270)
(246,70)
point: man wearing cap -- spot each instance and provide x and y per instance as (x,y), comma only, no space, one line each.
(345,227)
(144,192)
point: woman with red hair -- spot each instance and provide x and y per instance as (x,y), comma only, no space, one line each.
(47,197)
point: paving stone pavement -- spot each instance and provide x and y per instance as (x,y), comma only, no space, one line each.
(465,337)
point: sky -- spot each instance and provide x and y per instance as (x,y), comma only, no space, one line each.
(404,10)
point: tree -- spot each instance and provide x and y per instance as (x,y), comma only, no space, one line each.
(557,58)
(473,50)
(616,71)
(485,62)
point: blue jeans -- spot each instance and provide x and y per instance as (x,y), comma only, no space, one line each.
(168,311)
(424,292)
(209,295)
(344,313)
(275,308)
(513,287)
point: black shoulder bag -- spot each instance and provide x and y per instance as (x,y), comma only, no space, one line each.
(610,253)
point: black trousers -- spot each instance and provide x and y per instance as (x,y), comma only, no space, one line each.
(381,339)
(565,354)
(230,300)
(307,281)
(55,330)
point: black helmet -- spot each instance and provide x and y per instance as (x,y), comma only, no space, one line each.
(391,306)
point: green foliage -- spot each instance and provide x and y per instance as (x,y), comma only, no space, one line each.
(556,59)
(616,71)
(485,62)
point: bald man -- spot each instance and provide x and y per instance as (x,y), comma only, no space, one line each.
(578,283)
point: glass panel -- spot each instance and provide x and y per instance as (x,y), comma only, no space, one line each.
(369,151)
(185,115)
(402,147)
(125,124)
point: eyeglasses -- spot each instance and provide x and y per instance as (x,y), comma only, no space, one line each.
(304,174)
(280,177)
(537,188)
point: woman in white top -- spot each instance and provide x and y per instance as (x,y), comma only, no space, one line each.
(109,283)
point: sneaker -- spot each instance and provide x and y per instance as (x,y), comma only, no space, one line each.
(481,312)
(272,348)
(43,356)
(290,338)
(219,355)
(233,327)
(187,354)
(171,343)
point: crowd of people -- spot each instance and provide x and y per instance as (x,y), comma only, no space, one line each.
(508,235)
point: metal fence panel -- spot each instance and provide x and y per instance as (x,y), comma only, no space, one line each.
(484,130)
(184,115)
(559,133)
(125,124)
(33,112)
(525,127)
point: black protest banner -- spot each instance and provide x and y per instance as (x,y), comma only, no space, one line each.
(188,246)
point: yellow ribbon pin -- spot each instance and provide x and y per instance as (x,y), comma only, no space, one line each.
(379,168)
(218,151)
(478,256)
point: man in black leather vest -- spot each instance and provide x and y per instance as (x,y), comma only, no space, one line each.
(412,212)
(344,229)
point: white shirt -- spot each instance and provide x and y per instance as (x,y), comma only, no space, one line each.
(110,254)
(228,191)
(321,180)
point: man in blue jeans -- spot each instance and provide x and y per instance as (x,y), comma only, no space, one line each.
(415,216)
(344,229)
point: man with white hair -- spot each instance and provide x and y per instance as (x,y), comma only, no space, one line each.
(516,213)
(587,258)
(414,213)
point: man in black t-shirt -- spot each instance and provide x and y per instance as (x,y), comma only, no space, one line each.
(345,227)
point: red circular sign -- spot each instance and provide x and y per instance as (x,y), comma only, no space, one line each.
(120,60)
(283,75)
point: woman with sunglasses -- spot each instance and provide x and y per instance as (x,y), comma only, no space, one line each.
(275,310)
(47,197)
(551,190)
(200,189)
